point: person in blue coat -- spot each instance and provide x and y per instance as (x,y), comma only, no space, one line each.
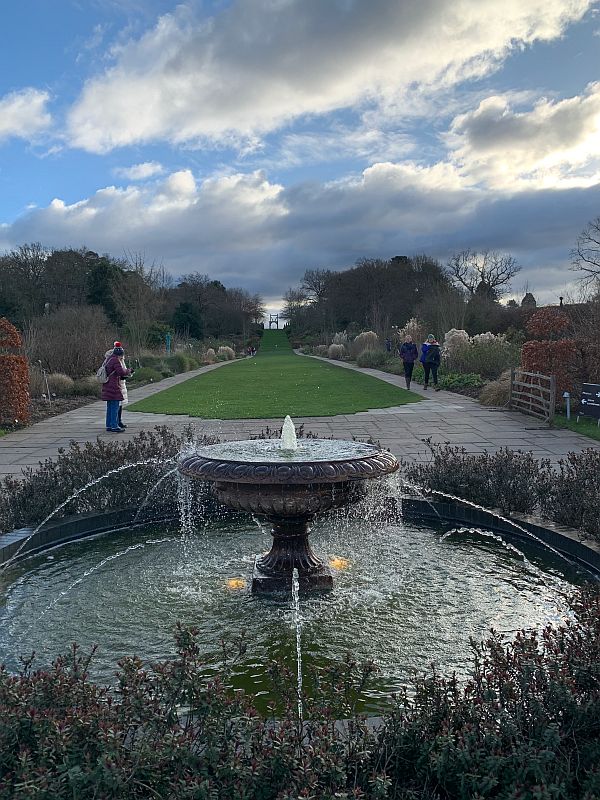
(430,358)
(408,353)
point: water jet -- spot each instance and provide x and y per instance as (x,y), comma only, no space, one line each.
(288,484)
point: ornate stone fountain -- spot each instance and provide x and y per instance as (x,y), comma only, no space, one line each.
(288,484)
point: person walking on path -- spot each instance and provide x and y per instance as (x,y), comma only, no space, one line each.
(112,391)
(430,358)
(408,353)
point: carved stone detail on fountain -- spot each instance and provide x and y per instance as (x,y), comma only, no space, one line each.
(289,488)
(205,468)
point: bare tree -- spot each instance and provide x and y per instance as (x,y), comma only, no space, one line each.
(314,283)
(487,272)
(294,300)
(585,256)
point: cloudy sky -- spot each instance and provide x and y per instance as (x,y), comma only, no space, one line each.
(253,139)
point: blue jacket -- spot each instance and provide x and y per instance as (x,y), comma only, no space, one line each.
(430,353)
(408,352)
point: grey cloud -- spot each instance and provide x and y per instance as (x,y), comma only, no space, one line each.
(249,232)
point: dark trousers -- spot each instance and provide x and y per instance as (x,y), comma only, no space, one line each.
(433,368)
(408,371)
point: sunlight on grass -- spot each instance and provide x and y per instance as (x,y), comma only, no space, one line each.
(275,383)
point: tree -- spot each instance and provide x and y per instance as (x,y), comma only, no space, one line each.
(187,320)
(104,281)
(585,256)
(315,283)
(487,273)
(294,299)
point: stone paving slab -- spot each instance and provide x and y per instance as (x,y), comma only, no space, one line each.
(441,416)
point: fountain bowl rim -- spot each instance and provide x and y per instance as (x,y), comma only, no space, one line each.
(370,461)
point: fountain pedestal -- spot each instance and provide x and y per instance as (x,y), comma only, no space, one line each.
(290,550)
(288,488)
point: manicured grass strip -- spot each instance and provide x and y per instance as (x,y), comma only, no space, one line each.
(275,383)
(586,426)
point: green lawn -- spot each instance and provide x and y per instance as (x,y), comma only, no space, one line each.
(275,383)
(585,426)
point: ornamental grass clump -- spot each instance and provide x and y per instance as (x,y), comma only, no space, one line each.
(225,353)
(336,351)
(367,340)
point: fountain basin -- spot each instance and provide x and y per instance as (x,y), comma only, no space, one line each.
(288,487)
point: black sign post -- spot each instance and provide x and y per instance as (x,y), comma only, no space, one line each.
(590,401)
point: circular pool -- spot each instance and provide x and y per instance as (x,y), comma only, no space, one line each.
(406,596)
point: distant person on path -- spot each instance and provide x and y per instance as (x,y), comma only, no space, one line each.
(114,391)
(388,345)
(408,353)
(430,358)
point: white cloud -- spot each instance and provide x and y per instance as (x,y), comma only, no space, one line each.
(260,64)
(140,172)
(246,230)
(556,143)
(23,114)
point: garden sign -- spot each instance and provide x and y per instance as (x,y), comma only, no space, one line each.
(590,401)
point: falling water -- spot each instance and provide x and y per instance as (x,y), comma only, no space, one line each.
(151,492)
(79,580)
(288,435)
(298,626)
(76,494)
(422,491)
(186,521)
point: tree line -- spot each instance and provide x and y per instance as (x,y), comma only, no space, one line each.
(465,293)
(142,300)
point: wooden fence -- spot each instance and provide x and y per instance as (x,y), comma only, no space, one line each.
(533,393)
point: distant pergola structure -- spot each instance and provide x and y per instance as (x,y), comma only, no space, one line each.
(274,320)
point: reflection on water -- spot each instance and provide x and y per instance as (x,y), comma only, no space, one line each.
(404,596)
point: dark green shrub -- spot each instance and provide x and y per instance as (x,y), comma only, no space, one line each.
(27,500)
(571,497)
(566,493)
(146,375)
(88,386)
(180,362)
(507,479)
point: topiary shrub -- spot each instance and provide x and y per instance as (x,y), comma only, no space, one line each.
(560,358)
(321,350)
(548,323)
(14,377)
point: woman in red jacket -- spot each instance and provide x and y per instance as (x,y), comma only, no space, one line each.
(111,390)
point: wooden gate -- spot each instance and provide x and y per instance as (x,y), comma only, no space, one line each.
(533,393)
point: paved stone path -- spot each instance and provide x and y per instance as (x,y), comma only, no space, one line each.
(442,417)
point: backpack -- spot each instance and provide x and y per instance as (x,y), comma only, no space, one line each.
(101,375)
